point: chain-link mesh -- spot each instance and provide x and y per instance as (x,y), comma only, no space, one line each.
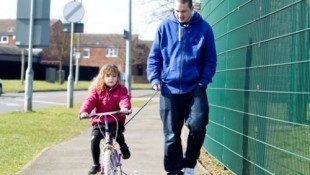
(260,95)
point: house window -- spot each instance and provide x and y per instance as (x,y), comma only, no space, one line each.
(111,52)
(4,39)
(86,53)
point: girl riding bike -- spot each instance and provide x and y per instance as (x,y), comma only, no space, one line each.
(106,93)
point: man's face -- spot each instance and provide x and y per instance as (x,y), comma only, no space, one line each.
(182,11)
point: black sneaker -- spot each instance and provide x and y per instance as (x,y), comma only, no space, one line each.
(125,152)
(94,169)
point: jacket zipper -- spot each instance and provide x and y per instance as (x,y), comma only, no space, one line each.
(182,55)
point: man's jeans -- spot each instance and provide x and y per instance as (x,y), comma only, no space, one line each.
(175,109)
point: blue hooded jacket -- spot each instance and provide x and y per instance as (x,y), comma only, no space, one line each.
(182,55)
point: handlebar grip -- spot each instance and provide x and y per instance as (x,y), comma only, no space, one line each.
(126,112)
(84,117)
(105,113)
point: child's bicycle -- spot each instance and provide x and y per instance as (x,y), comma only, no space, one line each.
(110,157)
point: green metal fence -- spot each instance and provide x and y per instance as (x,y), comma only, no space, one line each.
(260,95)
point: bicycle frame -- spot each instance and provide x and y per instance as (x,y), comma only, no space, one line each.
(111,159)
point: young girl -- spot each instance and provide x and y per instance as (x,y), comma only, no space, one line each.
(106,94)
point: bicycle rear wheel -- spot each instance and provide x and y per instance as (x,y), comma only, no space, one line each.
(108,162)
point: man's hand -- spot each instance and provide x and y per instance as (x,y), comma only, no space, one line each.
(157,87)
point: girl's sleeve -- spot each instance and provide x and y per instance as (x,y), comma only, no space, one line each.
(89,103)
(124,99)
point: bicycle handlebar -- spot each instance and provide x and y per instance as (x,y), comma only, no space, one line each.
(105,113)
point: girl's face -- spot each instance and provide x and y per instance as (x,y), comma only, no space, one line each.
(110,80)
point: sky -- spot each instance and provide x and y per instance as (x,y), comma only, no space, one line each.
(101,16)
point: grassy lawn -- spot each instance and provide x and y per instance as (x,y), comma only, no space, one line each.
(24,135)
(10,86)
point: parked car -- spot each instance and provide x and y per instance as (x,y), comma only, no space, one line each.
(1,89)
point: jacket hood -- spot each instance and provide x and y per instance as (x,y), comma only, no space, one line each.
(194,19)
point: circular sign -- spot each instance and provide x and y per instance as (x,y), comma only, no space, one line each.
(73,12)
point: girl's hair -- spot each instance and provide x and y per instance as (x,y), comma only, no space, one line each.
(107,69)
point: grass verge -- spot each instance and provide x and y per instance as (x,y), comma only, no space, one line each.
(24,135)
(10,86)
(213,166)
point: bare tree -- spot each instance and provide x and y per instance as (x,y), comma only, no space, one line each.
(162,8)
(59,48)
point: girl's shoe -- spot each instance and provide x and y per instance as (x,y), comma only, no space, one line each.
(125,152)
(94,169)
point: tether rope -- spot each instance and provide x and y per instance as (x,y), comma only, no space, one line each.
(141,108)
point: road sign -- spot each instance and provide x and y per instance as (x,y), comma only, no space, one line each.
(78,27)
(41,23)
(73,12)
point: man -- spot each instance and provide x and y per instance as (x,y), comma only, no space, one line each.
(181,64)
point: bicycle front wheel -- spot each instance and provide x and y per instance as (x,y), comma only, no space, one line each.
(108,162)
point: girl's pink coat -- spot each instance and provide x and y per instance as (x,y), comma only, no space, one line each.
(107,100)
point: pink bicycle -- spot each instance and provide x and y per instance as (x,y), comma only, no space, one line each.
(110,156)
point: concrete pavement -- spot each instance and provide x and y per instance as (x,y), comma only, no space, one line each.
(143,135)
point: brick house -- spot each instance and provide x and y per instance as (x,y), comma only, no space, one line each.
(10,55)
(99,49)
(7,32)
(94,50)
(8,28)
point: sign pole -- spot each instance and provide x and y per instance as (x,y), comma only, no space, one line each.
(70,77)
(73,12)
(128,52)
(29,71)
(77,60)
(77,67)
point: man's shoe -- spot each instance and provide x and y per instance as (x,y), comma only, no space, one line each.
(125,152)
(94,169)
(189,171)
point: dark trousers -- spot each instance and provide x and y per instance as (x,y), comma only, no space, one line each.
(192,109)
(96,137)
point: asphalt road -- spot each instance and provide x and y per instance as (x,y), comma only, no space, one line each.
(15,101)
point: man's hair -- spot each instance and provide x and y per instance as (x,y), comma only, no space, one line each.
(189,2)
